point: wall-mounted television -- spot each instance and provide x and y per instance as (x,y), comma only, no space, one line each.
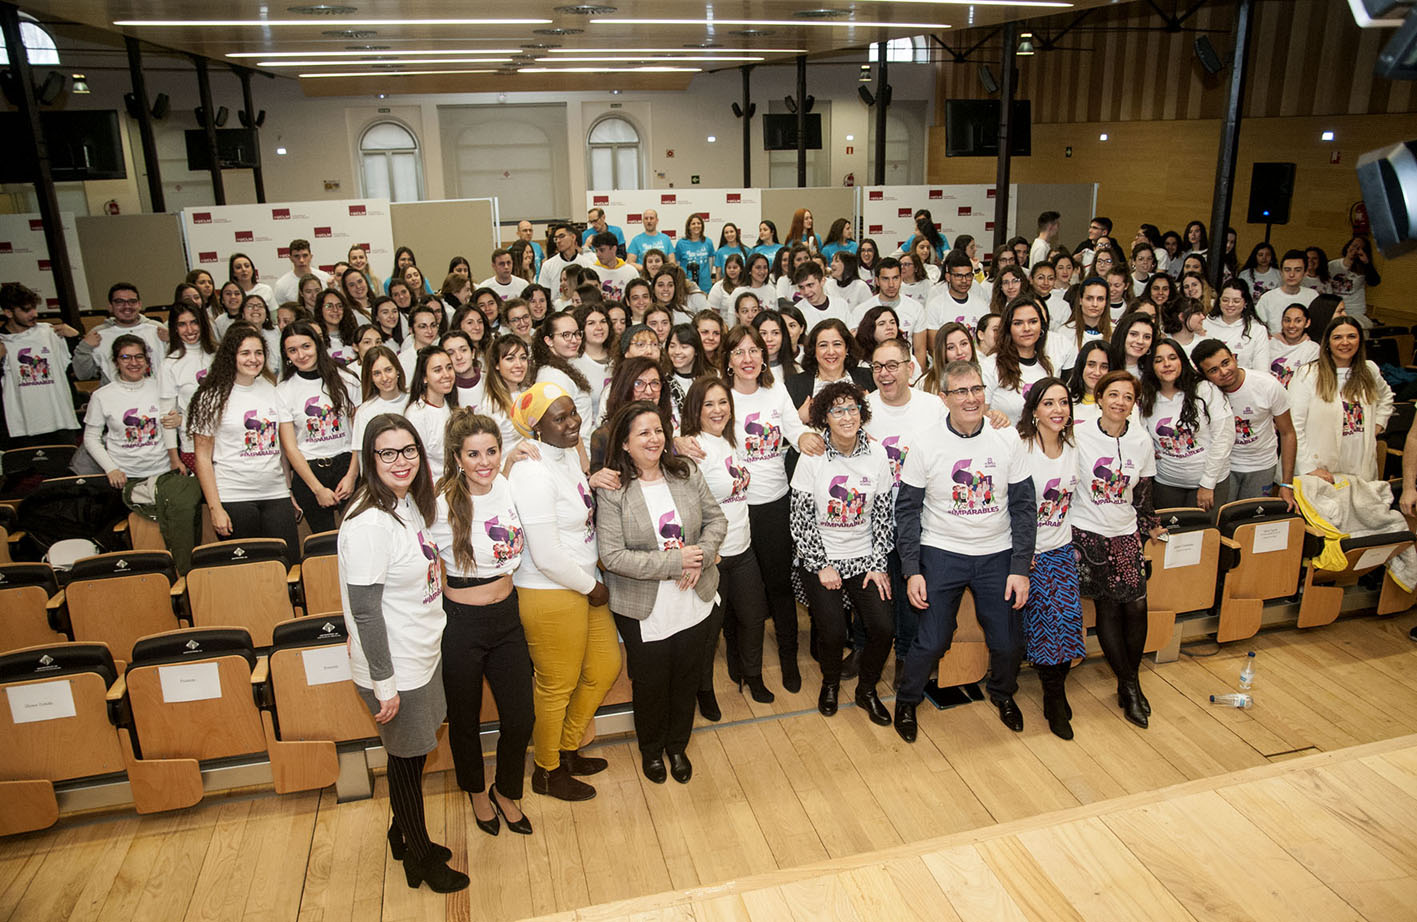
(780,131)
(84,144)
(236,149)
(972,128)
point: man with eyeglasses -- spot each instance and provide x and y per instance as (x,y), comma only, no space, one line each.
(596,224)
(568,252)
(93,358)
(900,416)
(958,300)
(910,314)
(965,519)
(1097,228)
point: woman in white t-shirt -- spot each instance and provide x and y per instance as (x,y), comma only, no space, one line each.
(1021,359)
(1052,623)
(234,420)
(1235,323)
(594,358)
(1352,274)
(846,284)
(256,312)
(687,363)
(735,276)
(123,429)
(242,271)
(382,390)
(1112,512)
(508,374)
(843,530)
(708,418)
(229,299)
(569,631)
(1292,349)
(190,349)
(432,393)
(1192,428)
(1340,405)
(391,585)
(319,396)
(659,534)
(555,346)
(338,323)
(467,368)
(1261,270)
(480,540)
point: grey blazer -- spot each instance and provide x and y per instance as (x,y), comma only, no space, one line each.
(629,544)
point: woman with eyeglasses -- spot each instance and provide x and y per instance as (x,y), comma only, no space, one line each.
(557,345)
(843,530)
(637,377)
(122,428)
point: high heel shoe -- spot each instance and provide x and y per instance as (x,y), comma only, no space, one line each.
(397,847)
(708,706)
(492,826)
(436,873)
(521,827)
(759,690)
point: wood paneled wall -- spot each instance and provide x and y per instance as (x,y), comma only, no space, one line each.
(1307,57)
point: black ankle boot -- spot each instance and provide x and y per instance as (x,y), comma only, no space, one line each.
(708,706)
(435,871)
(759,690)
(397,848)
(559,784)
(1131,707)
(1055,700)
(791,677)
(578,764)
(870,702)
(827,699)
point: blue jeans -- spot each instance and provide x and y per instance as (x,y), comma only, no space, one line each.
(947,575)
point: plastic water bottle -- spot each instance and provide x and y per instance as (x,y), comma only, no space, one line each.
(1238,700)
(1247,672)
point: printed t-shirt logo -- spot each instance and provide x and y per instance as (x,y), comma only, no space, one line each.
(260,434)
(1281,370)
(1175,439)
(895,454)
(671,533)
(741,479)
(1109,484)
(139,431)
(322,423)
(433,585)
(846,505)
(1352,417)
(1244,429)
(34,368)
(589,512)
(1056,499)
(973,491)
(762,439)
(507,540)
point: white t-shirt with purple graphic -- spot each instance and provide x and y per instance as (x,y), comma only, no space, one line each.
(1006,400)
(727,477)
(496,534)
(1055,480)
(966,483)
(898,429)
(246,444)
(1108,470)
(674,609)
(320,432)
(1256,403)
(766,424)
(842,491)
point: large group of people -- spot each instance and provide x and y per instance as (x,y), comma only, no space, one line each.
(662,443)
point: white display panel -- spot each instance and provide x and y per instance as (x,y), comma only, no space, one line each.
(625,209)
(888,213)
(24,258)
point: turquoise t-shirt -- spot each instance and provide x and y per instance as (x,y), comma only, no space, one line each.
(831,249)
(720,255)
(643,243)
(692,253)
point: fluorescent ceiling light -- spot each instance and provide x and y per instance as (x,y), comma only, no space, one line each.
(976,2)
(830,24)
(676,50)
(369,62)
(631,59)
(367,53)
(609,70)
(398,73)
(323,22)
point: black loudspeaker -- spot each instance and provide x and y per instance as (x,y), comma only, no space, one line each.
(1271,188)
(1388,178)
(986,80)
(1205,53)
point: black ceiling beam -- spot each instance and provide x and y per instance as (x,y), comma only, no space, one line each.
(1051,43)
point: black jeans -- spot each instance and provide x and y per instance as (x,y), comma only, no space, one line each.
(772,545)
(329,471)
(486,641)
(828,609)
(664,684)
(745,611)
(266,518)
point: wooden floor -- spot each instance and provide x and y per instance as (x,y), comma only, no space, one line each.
(798,815)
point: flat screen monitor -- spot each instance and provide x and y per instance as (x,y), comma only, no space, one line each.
(972,128)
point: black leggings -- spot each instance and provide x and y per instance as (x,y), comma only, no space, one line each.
(329,471)
(1121,630)
(772,545)
(487,641)
(406,798)
(266,518)
(828,609)
(743,610)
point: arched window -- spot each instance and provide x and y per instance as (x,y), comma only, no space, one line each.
(391,166)
(614,147)
(39,44)
(904,50)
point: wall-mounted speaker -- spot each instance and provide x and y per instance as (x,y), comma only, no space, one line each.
(1388,178)
(986,80)
(1271,188)
(1206,54)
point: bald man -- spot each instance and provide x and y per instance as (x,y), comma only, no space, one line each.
(650,239)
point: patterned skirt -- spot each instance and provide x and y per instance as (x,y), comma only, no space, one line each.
(1053,616)
(1112,569)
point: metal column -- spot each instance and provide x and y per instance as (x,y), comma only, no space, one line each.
(882,103)
(204,88)
(1006,114)
(747,130)
(801,121)
(145,124)
(1229,143)
(256,175)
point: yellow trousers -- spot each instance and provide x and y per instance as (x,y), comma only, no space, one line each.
(576,655)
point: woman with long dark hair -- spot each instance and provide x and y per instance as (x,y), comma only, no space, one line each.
(1132,341)
(190,351)
(318,394)
(1021,359)
(337,323)
(241,270)
(1235,323)
(432,395)
(1192,427)
(687,363)
(840,238)
(772,328)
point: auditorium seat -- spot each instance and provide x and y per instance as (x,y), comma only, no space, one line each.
(1264,552)
(1323,589)
(240,582)
(67,731)
(9,535)
(319,574)
(26,467)
(29,606)
(118,597)
(1183,572)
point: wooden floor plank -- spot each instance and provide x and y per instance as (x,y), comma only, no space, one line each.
(784,822)
(1265,732)
(225,876)
(621,850)
(974,891)
(56,892)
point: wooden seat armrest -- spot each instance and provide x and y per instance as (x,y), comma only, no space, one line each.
(117,690)
(16,536)
(179,588)
(1230,543)
(121,527)
(56,603)
(262,672)
(293,577)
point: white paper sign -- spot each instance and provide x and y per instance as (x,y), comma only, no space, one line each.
(42,701)
(1270,537)
(193,682)
(326,665)
(1183,550)
(1373,556)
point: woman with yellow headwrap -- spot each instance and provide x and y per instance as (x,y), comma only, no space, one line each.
(569,630)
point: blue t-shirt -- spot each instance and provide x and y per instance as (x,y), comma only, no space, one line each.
(769,250)
(536,248)
(831,249)
(811,241)
(700,252)
(721,254)
(939,251)
(643,243)
(591,232)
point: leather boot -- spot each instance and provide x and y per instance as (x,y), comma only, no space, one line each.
(1131,707)
(1055,700)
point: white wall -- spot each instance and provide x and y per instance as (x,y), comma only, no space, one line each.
(321,134)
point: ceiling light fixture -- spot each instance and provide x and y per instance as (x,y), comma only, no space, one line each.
(396,73)
(587,9)
(321,9)
(685,50)
(631,58)
(1025,44)
(609,70)
(828,23)
(373,62)
(80,87)
(380,50)
(271,23)
(557,31)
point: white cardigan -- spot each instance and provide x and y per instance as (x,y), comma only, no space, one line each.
(1319,427)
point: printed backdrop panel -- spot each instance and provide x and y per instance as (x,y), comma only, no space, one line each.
(625,208)
(24,258)
(888,213)
(264,232)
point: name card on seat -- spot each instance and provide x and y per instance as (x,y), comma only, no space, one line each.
(41,701)
(1270,537)
(1183,550)
(326,665)
(191,682)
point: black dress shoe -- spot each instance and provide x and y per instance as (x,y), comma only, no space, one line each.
(397,848)
(1412,634)
(827,700)
(582,765)
(759,690)
(791,677)
(521,827)
(905,723)
(654,769)
(680,767)
(559,784)
(1009,714)
(851,665)
(870,702)
(492,826)
(708,706)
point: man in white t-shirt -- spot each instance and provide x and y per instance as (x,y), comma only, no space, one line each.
(1047,233)
(651,238)
(816,301)
(34,360)
(1273,303)
(1143,265)
(287,287)
(568,252)
(958,300)
(900,416)
(910,314)
(502,281)
(93,357)
(614,272)
(1264,429)
(965,518)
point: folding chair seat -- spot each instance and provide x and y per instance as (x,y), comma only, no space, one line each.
(118,597)
(242,582)
(1263,550)
(1182,576)
(319,574)
(30,603)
